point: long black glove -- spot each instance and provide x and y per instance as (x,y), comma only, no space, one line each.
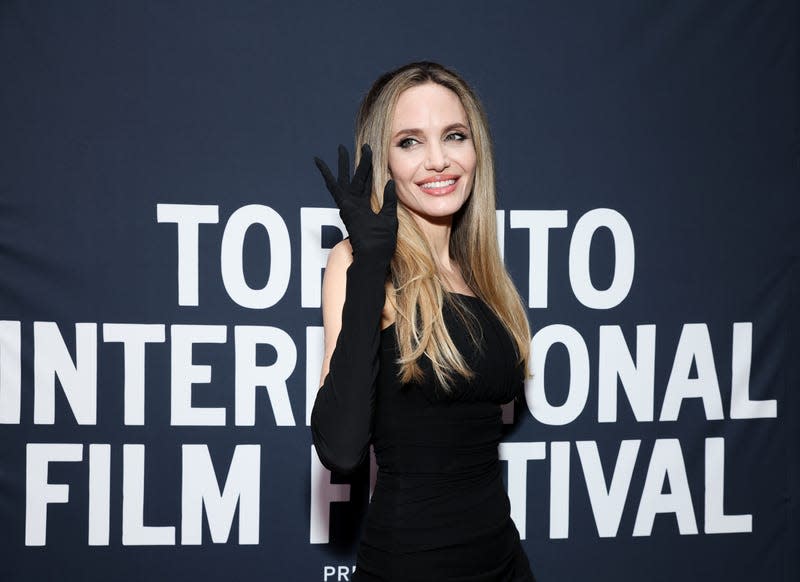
(341,421)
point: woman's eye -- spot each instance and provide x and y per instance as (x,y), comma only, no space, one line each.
(407,142)
(456,136)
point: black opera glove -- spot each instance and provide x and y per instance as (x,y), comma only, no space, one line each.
(372,235)
(341,420)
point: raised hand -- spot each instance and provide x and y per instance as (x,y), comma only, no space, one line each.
(341,420)
(373,236)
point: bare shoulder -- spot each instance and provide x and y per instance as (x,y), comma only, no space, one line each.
(334,288)
(341,256)
(334,282)
(334,285)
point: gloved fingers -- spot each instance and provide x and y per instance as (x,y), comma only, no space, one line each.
(389,199)
(330,181)
(344,168)
(363,173)
(368,186)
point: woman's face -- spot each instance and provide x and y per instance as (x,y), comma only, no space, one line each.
(431,153)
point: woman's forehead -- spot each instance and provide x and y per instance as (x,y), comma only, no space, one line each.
(428,106)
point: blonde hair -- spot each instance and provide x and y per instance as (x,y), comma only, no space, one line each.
(418,294)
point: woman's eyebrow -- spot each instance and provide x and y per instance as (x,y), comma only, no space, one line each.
(457,125)
(409,130)
(415,130)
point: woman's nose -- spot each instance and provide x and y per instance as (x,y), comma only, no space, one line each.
(436,159)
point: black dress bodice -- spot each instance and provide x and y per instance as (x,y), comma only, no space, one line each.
(439,510)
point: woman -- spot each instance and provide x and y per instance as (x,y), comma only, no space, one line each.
(425,335)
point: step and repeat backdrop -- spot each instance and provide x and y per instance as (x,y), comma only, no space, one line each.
(163,234)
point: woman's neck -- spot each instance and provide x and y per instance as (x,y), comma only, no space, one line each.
(438,236)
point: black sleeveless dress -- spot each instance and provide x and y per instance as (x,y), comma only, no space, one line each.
(439,511)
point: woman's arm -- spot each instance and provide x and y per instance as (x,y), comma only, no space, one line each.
(334,283)
(353,300)
(341,421)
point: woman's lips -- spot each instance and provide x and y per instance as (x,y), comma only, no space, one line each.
(439,186)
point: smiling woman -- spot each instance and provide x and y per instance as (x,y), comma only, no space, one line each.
(425,335)
(432,157)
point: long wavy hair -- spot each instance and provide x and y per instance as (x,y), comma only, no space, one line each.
(417,292)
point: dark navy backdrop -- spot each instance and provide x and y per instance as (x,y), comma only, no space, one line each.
(680,117)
